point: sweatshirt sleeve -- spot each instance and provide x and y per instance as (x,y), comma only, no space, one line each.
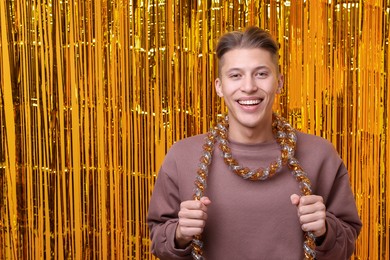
(343,223)
(163,218)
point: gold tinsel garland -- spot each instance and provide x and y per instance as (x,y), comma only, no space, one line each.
(93,93)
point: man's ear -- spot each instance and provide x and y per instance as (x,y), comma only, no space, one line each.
(218,87)
(280,84)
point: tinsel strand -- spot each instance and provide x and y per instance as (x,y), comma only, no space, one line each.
(286,138)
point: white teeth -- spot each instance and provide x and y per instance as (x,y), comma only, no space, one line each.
(249,102)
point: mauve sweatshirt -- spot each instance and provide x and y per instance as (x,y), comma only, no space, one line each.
(254,219)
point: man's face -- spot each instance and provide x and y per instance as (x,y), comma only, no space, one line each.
(248,82)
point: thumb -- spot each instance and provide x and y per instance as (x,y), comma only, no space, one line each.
(295,199)
(205,200)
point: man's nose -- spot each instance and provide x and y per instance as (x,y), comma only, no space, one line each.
(249,85)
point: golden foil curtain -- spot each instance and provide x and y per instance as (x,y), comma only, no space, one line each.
(93,93)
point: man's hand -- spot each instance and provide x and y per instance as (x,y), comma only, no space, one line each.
(192,219)
(311,213)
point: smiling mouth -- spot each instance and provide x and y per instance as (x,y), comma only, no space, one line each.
(253,102)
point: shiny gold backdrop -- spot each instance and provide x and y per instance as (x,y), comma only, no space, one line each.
(93,93)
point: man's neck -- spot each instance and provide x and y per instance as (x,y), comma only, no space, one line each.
(251,135)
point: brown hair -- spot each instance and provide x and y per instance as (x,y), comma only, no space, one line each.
(252,38)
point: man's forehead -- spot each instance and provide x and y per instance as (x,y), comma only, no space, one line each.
(246,58)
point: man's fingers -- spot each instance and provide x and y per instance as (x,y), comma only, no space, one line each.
(194,209)
(193,205)
(311,213)
(310,199)
(192,219)
(205,200)
(318,227)
(193,223)
(192,214)
(313,226)
(295,199)
(310,208)
(311,218)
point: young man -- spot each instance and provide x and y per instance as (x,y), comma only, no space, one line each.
(208,203)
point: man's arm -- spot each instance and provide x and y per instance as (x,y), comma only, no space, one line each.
(172,223)
(163,219)
(342,221)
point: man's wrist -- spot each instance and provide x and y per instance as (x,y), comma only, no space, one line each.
(180,241)
(181,244)
(319,240)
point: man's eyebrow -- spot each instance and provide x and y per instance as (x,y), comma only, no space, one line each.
(261,67)
(233,69)
(256,68)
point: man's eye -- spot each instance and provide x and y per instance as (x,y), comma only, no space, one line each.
(261,74)
(235,76)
